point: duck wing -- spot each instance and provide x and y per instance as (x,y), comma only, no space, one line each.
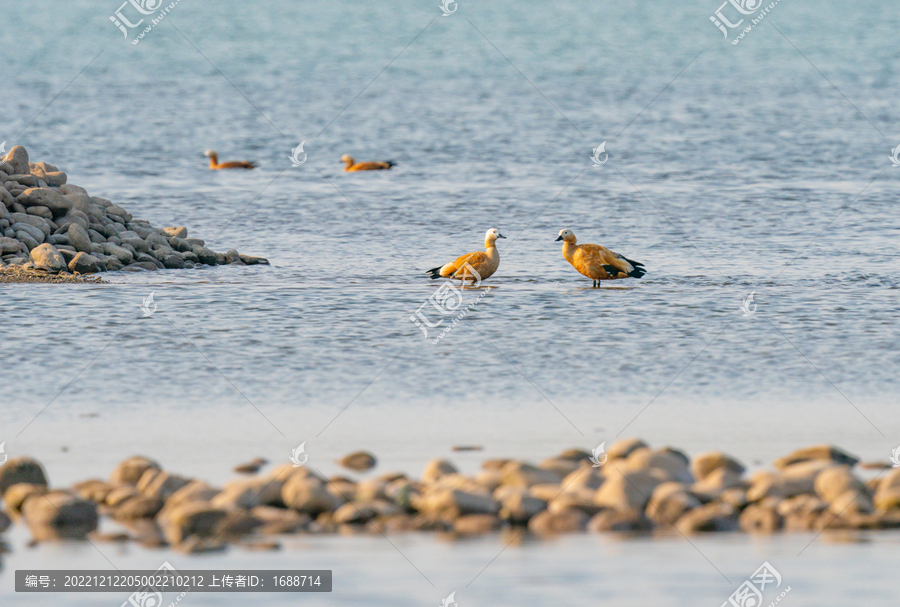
(238,164)
(599,263)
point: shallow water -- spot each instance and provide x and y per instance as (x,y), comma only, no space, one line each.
(749,172)
(582,570)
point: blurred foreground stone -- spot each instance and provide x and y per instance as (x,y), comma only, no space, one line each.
(636,490)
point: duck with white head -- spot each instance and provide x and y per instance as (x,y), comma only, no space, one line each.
(475,266)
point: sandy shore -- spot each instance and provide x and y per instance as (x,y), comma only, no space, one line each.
(22,275)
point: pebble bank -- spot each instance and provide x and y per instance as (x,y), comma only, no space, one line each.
(631,489)
(51,226)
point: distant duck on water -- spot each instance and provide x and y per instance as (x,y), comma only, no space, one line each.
(215,165)
(352,165)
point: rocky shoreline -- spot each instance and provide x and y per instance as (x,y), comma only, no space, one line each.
(629,489)
(50,226)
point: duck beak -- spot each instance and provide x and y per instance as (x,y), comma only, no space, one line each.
(500,236)
(558,238)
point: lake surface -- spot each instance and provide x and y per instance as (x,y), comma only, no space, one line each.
(760,168)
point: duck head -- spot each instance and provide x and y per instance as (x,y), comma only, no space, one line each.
(566,235)
(491,236)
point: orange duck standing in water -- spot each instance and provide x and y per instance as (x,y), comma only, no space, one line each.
(215,165)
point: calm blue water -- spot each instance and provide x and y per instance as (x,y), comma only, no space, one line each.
(749,172)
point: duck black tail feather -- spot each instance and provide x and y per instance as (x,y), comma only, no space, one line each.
(638,270)
(390,163)
(434,272)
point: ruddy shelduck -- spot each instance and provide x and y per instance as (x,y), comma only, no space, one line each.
(465,266)
(352,165)
(596,262)
(215,165)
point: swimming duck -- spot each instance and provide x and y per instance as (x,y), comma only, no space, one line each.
(214,164)
(352,165)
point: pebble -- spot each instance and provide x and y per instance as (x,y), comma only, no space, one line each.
(568,521)
(247,493)
(84,264)
(17,160)
(47,257)
(819,452)
(36,234)
(79,238)
(309,495)
(59,515)
(359,461)
(706,463)
(21,470)
(476,524)
(42,212)
(45,197)
(161,484)
(522,474)
(437,468)
(198,519)
(15,496)
(251,467)
(122,254)
(757,518)
(94,490)
(629,491)
(10,245)
(518,506)
(622,522)
(709,517)
(180,232)
(130,471)
(670,501)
